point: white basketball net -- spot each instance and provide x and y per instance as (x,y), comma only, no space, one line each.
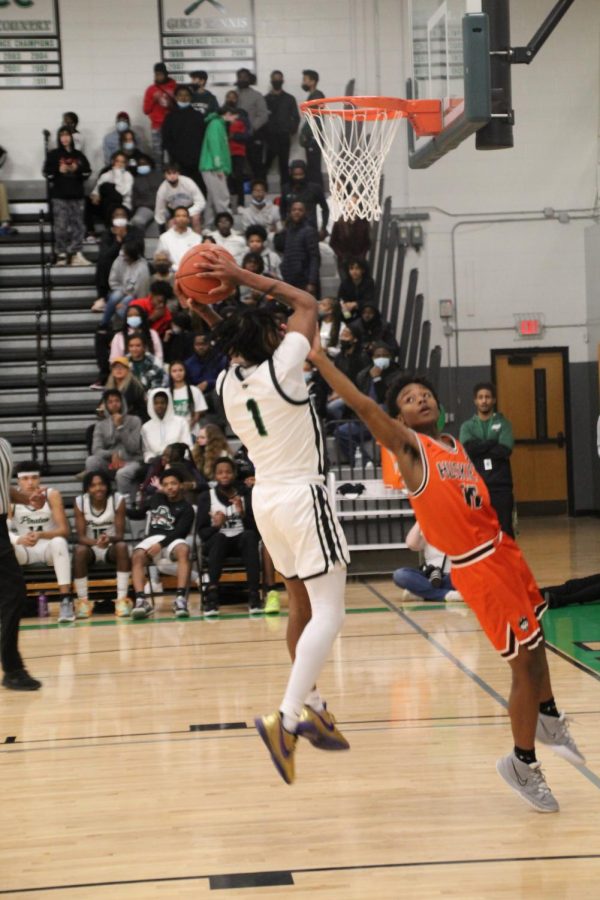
(354,143)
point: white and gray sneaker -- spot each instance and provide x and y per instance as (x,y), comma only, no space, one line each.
(180,607)
(66,612)
(555,734)
(142,609)
(528,781)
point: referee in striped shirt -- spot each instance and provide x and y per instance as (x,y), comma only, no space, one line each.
(13,593)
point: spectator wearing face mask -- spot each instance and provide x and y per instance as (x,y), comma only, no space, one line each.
(111,243)
(113,188)
(161,267)
(310,80)
(129,278)
(155,305)
(129,146)
(176,191)
(202,100)
(351,360)
(182,135)
(137,320)
(309,193)
(255,106)
(260,210)
(112,141)
(371,328)
(146,182)
(159,101)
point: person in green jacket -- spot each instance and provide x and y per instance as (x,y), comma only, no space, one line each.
(215,166)
(488,439)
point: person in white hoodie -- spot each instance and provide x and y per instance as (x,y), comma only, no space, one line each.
(164,427)
(178,239)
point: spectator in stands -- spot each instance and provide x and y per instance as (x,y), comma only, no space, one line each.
(6,229)
(255,107)
(71,120)
(123,380)
(310,80)
(159,100)
(129,278)
(330,320)
(202,100)
(227,528)
(67,170)
(163,426)
(136,319)
(178,191)
(299,245)
(161,264)
(146,368)
(111,243)
(430,581)
(488,439)
(300,188)
(129,146)
(179,339)
(156,307)
(261,211)
(40,535)
(174,455)
(112,141)
(113,188)
(283,122)
(356,289)
(179,238)
(215,166)
(211,445)
(238,133)
(117,444)
(252,262)
(374,380)
(351,360)
(350,241)
(182,134)
(371,329)
(100,527)
(188,400)
(171,519)
(256,241)
(146,183)
(205,364)
(225,236)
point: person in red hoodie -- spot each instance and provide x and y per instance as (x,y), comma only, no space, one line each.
(155,304)
(159,100)
(238,133)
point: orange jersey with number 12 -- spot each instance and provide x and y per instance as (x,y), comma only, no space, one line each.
(452,503)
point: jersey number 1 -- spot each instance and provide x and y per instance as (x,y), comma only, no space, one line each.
(252,407)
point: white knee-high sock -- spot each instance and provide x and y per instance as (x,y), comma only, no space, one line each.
(326,594)
(59,553)
(81,587)
(122,583)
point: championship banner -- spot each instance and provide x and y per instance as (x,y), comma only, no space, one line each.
(30,56)
(208,34)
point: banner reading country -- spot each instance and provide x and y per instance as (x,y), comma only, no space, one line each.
(215,35)
(30,56)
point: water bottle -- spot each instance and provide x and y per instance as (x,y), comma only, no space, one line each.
(43,606)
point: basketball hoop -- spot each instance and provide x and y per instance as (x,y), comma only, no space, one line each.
(355,135)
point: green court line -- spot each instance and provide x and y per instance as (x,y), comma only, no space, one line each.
(102,623)
(575,632)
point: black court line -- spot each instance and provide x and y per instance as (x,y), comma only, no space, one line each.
(574,662)
(583,770)
(219,726)
(288,873)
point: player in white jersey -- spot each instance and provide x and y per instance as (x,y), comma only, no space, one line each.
(100,525)
(267,405)
(40,535)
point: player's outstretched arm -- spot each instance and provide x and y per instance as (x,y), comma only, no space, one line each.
(389,432)
(304,318)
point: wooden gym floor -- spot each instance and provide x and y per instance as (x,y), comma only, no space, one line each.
(136,772)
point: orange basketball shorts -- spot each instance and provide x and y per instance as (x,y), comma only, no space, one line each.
(502,593)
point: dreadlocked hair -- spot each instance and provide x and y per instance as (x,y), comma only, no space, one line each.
(252,334)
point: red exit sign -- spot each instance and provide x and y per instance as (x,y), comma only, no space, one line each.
(529,326)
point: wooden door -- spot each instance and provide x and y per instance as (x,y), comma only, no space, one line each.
(531,394)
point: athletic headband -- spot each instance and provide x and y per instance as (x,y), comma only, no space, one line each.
(26,474)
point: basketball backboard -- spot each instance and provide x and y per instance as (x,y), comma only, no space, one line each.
(450,62)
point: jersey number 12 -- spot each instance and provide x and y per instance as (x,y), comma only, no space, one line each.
(252,407)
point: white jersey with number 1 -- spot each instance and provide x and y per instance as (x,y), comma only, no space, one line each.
(269,409)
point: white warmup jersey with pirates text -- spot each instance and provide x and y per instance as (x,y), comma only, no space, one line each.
(25,519)
(97,523)
(269,409)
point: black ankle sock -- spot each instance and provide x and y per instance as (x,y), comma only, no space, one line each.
(548,708)
(526,756)
(139,595)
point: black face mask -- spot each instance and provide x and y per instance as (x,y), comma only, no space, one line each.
(162,268)
(305,87)
(346,344)
(242,84)
(276,84)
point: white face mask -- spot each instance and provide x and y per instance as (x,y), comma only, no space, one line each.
(382,362)
(120,223)
(134,321)
(122,126)
(308,377)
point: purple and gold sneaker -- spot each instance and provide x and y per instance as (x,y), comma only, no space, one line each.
(320,729)
(280,743)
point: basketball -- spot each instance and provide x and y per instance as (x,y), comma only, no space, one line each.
(196,284)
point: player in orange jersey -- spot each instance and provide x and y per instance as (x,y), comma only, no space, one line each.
(453,508)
